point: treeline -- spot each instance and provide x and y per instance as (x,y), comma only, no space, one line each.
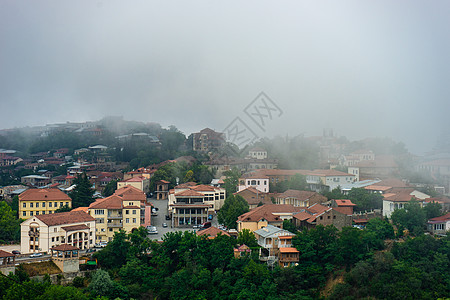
(186,266)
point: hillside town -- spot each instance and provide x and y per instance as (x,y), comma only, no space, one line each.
(73,198)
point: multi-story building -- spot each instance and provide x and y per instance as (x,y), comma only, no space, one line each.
(300,198)
(34,202)
(259,182)
(140,182)
(42,232)
(208,140)
(125,209)
(193,204)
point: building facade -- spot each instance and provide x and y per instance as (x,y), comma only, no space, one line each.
(34,202)
(42,232)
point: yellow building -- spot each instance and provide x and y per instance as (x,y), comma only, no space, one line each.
(34,202)
(140,182)
(124,210)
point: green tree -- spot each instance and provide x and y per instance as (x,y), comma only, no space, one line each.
(82,194)
(433,210)
(103,285)
(9,224)
(245,236)
(189,176)
(110,188)
(412,217)
(381,228)
(63,209)
(365,200)
(298,182)
(232,180)
(233,207)
(289,226)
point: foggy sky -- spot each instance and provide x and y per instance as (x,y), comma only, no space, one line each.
(363,68)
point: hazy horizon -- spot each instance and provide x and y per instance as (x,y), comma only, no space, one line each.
(365,69)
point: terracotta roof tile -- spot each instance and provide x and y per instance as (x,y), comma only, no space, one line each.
(288,250)
(111,202)
(64,247)
(189,193)
(65,218)
(212,232)
(5,254)
(44,195)
(75,227)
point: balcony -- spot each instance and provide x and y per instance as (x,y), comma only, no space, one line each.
(33,233)
(114,217)
(114,225)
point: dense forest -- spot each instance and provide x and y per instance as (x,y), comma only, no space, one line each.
(347,264)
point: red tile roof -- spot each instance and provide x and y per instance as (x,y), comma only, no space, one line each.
(44,195)
(65,218)
(267,212)
(344,202)
(212,232)
(443,218)
(75,227)
(288,250)
(300,195)
(64,247)
(111,202)
(5,254)
(129,192)
(203,188)
(189,193)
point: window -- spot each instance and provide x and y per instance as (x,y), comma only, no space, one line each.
(43,204)
(37,213)
(61,204)
(134,220)
(110,229)
(99,212)
(24,213)
(134,211)
(329,217)
(53,239)
(67,203)
(37,204)
(50,204)
(127,220)
(31,204)
(24,204)
(57,238)
(127,212)
(56,204)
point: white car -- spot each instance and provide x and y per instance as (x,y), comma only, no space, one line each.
(36,255)
(152,230)
(101,245)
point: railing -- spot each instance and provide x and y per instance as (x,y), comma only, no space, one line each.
(114,225)
(33,233)
(116,217)
(289,259)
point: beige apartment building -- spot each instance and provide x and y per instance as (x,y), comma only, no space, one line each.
(125,210)
(35,202)
(42,232)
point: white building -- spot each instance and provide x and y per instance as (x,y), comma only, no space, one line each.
(42,232)
(261,183)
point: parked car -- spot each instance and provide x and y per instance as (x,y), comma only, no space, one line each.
(205,225)
(90,250)
(16,252)
(152,230)
(196,226)
(167,217)
(36,255)
(164,225)
(101,245)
